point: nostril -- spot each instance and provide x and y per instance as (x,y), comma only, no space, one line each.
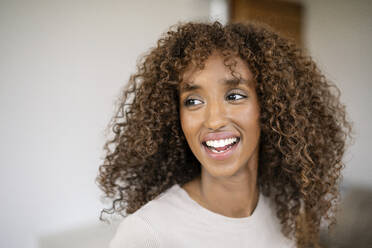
(215,126)
(215,123)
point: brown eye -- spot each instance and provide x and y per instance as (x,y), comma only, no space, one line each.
(235,97)
(192,102)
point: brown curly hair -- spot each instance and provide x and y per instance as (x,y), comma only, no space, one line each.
(303,125)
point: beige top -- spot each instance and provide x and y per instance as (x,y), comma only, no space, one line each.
(174,219)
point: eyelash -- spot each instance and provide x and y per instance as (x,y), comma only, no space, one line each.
(187,101)
(236,94)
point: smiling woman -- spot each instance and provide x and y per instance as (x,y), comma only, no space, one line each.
(227,136)
(219,117)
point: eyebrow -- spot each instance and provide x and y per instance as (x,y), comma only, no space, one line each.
(190,86)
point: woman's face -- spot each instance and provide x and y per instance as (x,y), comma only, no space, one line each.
(220,117)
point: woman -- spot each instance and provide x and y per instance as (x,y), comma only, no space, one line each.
(227,136)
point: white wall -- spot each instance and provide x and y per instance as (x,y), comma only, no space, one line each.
(339,36)
(62,65)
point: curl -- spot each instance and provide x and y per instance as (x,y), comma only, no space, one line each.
(303,125)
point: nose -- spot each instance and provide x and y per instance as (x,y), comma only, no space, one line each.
(215,116)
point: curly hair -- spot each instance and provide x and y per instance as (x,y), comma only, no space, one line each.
(304,128)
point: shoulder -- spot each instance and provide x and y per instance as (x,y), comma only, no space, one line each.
(271,224)
(135,232)
(147,226)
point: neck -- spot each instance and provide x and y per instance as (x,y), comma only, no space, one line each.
(236,198)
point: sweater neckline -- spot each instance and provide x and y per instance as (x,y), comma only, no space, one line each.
(209,215)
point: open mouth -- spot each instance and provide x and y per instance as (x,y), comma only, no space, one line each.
(221,146)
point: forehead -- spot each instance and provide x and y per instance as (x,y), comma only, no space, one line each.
(216,68)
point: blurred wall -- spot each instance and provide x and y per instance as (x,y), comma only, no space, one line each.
(62,65)
(339,37)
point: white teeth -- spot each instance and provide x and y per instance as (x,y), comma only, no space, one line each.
(221,142)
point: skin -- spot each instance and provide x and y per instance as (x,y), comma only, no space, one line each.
(227,187)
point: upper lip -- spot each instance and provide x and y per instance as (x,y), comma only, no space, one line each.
(218,136)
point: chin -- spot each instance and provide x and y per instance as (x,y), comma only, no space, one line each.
(220,170)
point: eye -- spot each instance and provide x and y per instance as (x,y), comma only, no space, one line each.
(234,96)
(192,102)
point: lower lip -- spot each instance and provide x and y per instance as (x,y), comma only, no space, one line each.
(222,155)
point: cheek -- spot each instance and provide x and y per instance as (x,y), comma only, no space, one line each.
(248,119)
(190,124)
(187,124)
